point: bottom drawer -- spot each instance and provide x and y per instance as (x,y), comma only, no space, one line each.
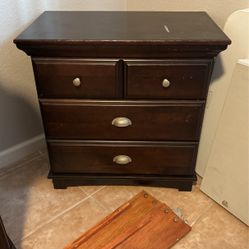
(122,157)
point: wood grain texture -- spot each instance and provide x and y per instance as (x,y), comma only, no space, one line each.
(150,120)
(143,222)
(99,78)
(62,181)
(72,27)
(121,59)
(147,158)
(107,220)
(124,51)
(123,35)
(189,79)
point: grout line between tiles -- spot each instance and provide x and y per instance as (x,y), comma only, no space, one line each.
(202,214)
(62,213)
(82,191)
(92,192)
(56,216)
(102,205)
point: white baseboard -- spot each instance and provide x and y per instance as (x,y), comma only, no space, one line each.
(21,150)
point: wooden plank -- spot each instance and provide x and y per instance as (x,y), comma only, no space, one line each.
(100,225)
(142,222)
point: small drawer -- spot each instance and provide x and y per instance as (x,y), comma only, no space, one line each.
(167,79)
(77,78)
(122,157)
(122,120)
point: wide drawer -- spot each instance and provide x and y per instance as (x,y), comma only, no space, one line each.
(77,78)
(141,120)
(168,79)
(122,157)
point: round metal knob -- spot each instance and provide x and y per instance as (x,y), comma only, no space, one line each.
(121,122)
(166,83)
(76,82)
(122,159)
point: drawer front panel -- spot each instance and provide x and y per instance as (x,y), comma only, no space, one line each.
(96,120)
(72,78)
(179,79)
(100,158)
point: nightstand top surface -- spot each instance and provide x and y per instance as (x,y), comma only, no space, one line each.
(75,27)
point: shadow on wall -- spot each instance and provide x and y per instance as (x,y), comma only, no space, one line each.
(218,70)
(19,115)
(18,119)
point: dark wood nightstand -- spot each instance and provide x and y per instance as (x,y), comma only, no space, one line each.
(122,94)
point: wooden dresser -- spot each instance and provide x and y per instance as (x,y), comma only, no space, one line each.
(122,94)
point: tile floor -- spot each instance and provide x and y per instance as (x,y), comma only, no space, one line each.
(38,217)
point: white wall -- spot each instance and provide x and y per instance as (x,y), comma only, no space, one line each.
(236,28)
(226,176)
(219,10)
(20,123)
(19,112)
